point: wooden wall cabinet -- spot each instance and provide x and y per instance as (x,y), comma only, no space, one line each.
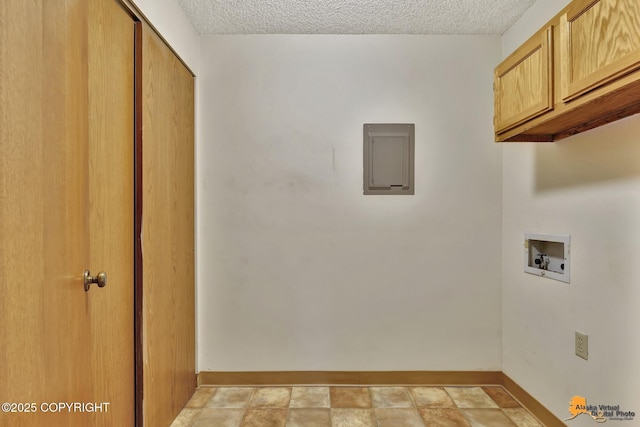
(589,68)
(523,82)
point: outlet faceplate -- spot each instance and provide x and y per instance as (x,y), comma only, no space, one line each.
(582,345)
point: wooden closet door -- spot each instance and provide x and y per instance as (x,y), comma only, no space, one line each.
(45,353)
(168,289)
(111,213)
(66,142)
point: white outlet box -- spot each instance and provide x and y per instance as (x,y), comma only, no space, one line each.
(547,256)
(582,345)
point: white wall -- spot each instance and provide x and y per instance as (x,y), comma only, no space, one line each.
(297,269)
(587,186)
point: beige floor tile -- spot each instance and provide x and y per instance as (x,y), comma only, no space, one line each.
(521,417)
(271,397)
(470,397)
(219,417)
(309,397)
(264,417)
(398,417)
(230,397)
(200,397)
(350,397)
(488,418)
(314,417)
(390,397)
(185,418)
(443,417)
(432,397)
(352,418)
(501,397)
(489,406)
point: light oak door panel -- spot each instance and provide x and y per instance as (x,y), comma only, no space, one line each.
(168,303)
(523,83)
(600,43)
(44,311)
(111,213)
(66,137)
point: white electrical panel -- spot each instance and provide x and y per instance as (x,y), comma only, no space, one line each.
(547,255)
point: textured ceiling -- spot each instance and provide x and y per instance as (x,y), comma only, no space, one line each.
(353,16)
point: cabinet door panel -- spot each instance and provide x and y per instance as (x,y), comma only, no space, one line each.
(600,43)
(523,88)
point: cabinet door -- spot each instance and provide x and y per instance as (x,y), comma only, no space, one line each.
(600,42)
(523,83)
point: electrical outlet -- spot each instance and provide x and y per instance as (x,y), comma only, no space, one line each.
(582,345)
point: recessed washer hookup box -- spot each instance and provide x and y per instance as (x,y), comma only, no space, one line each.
(547,255)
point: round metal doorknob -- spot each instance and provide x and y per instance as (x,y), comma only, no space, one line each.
(100,279)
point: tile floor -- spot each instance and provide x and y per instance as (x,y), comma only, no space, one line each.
(452,406)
